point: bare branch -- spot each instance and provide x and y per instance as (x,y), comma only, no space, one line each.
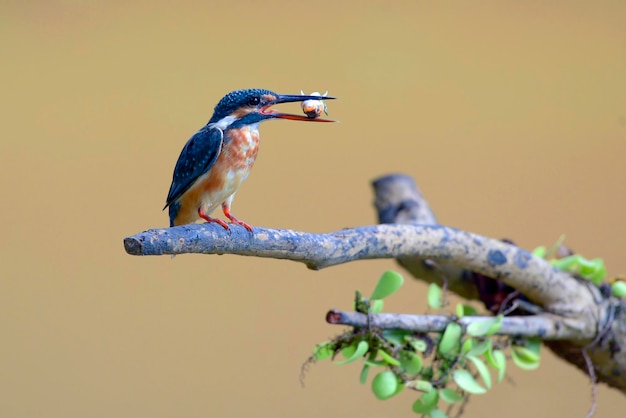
(544,326)
(399,201)
(537,279)
(576,311)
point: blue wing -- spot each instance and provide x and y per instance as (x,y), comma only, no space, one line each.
(196,158)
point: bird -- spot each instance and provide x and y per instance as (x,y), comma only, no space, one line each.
(217,159)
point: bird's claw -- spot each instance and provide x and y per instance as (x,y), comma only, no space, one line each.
(226,210)
(219,222)
(242,223)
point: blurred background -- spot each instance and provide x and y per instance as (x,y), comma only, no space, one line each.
(511,117)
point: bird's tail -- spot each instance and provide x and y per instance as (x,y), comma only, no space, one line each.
(173,209)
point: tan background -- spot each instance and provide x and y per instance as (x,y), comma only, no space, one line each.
(511,116)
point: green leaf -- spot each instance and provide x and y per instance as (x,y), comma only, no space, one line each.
(388,358)
(588,267)
(427,373)
(618,289)
(436,413)
(500,360)
(359,352)
(395,336)
(444,370)
(388,284)
(348,351)
(480,348)
(497,360)
(410,362)
(598,276)
(475,347)
(467,345)
(426,403)
(565,263)
(400,387)
(521,360)
(489,358)
(385,385)
(486,326)
(482,370)
(593,270)
(496,327)
(451,338)
(434,296)
(323,351)
(450,395)
(466,382)
(530,350)
(376,306)
(465,310)
(364,372)
(375,363)
(539,252)
(417,344)
(527,356)
(423,386)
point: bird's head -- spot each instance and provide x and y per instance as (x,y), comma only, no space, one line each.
(249,106)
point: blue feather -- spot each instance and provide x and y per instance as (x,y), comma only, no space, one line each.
(196,158)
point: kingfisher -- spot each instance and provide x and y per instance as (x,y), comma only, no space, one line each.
(218,158)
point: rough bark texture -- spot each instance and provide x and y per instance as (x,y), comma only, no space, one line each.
(399,201)
(535,326)
(576,314)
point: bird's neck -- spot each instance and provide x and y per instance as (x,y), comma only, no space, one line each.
(250,129)
(249,132)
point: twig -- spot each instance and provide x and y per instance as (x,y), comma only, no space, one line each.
(594,389)
(545,326)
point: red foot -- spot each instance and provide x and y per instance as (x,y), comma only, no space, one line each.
(234,220)
(210,220)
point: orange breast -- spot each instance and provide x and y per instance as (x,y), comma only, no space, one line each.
(229,171)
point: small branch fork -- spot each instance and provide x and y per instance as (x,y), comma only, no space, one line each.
(576,312)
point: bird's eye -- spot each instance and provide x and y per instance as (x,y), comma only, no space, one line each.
(254,100)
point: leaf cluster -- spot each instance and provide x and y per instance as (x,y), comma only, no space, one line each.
(445,368)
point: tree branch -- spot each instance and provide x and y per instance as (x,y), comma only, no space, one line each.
(398,200)
(536,278)
(576,311)
(545,326)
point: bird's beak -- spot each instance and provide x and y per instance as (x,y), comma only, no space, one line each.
(288,98)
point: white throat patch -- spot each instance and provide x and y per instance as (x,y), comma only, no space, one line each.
(223,123)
